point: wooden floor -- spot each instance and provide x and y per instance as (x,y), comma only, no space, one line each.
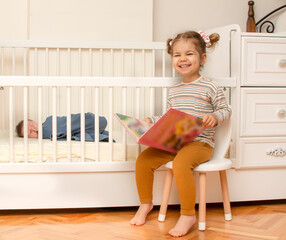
(262,220)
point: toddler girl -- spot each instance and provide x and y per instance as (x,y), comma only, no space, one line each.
(196,95)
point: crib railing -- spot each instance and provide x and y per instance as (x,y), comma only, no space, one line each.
(58,58)
(121,84)
(83,83)
(39,79)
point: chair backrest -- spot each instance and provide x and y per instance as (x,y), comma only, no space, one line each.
(222,139)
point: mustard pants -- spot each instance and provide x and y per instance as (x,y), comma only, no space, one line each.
(190,156)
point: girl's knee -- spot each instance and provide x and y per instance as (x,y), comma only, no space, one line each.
(180,169)
(140,161)
(144,159)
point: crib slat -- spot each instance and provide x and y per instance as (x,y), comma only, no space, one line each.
(36,61)
(69,108)
(47,90)
(163,63)
(138,98)
(111,62)
(58,62)
(124,111)
(25,107)
(152,101)
(124,107)
(90,62)
(13,73)
(11,123)
(110,123)
(153,63)
(152,90)
(2,108)
(164,99)
(143,62)
(58,74)
(2,61)
(100,62)
(69,61)
(96,123)
(47,62)
(173,72)
(82,124)
(54,123)
(40,129)
(164,90)
(132,63)
(79,62)
(2,92)
(143,75)
(79,69)
(110,118)
(13,62)
(25,62)
(68,123)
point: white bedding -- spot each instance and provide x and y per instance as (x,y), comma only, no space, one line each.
(90,154)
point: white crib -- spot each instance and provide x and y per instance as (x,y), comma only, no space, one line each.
(59,78)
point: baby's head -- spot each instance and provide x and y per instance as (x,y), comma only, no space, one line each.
(32,129)
(196,38)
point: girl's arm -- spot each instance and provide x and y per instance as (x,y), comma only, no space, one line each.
(221,108)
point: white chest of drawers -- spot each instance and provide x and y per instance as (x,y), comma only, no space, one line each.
(262,130)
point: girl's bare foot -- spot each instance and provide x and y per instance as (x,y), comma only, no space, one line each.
(183,225)
(141,214)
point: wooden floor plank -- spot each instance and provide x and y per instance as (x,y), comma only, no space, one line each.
(265,220)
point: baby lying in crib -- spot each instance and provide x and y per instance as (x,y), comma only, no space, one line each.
(62,128)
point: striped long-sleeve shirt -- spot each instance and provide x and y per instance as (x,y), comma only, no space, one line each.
(198,98)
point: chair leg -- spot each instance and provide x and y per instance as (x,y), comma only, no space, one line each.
(166,195)
(202,201)
(225,195)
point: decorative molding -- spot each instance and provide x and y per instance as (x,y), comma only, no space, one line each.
(277,152)
(270,25)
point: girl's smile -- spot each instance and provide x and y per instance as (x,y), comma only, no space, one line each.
(187,60)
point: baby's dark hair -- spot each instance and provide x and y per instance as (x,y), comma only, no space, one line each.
(197,39)
(19,128)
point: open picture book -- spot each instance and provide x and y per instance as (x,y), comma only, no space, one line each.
(171,132)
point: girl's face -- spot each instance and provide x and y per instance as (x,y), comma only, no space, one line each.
(187,60)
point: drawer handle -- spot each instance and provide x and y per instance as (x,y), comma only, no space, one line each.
(281,112)
(277,152)
(282,63)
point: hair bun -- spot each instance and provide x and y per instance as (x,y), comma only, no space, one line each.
(214,38)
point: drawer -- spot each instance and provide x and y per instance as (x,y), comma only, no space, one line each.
(263,112)
(263,152)
(264,61)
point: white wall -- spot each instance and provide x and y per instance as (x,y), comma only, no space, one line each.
(13,19)
(133,20)
(108,20)
(175,16)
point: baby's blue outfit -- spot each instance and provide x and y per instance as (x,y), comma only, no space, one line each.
(75,128)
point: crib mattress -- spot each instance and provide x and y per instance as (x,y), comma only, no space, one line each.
(62,150)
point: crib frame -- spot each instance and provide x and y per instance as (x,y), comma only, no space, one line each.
(112,182)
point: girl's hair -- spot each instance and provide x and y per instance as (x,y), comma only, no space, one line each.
(197,39)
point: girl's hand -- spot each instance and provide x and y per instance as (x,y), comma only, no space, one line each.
(148,121)
(210,120)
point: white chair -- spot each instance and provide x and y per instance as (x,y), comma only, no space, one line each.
(218,162)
